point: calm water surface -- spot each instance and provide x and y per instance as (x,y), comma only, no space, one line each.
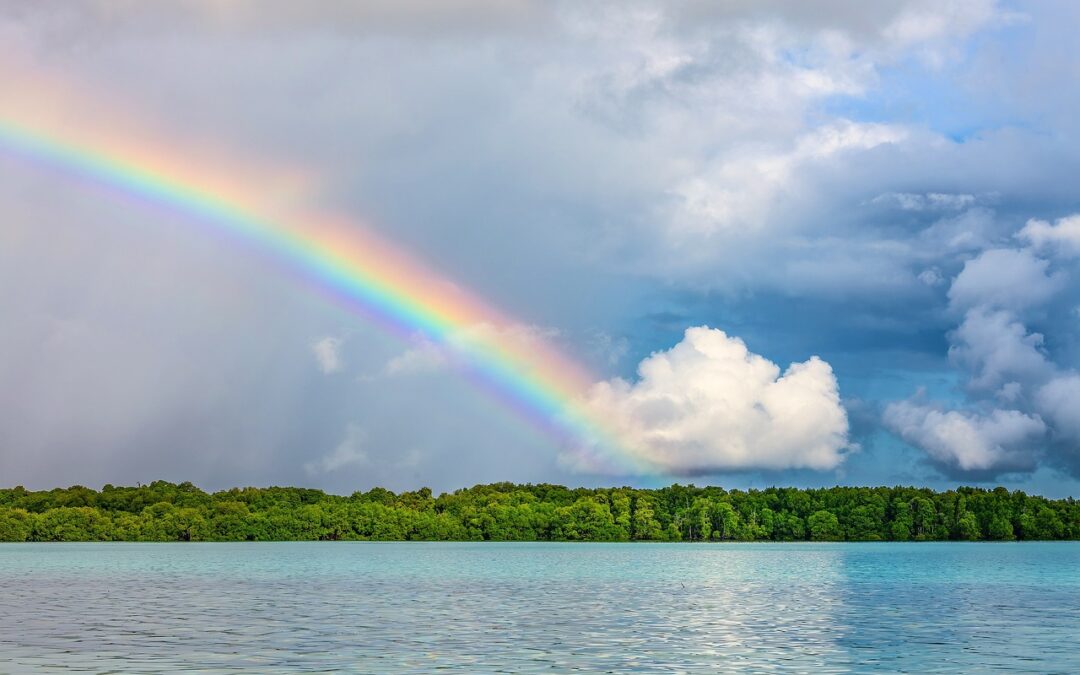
(414,608)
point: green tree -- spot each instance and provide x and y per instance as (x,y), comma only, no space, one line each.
(1048,524)
(968,527)
(15,524)
(924,519)
(645,525)
(163,511)
(231,521)
(725,522)
(66,523)
(865,523)
(1000,528)
(902,521)
(824,526)
(587,520)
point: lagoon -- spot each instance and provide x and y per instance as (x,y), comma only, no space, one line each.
(368,607)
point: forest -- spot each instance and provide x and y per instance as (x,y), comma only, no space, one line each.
(163,511)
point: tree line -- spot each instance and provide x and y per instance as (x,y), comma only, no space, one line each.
(163,511)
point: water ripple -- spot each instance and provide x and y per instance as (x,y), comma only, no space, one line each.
(524,608)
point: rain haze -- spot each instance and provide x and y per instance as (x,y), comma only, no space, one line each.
(788,247)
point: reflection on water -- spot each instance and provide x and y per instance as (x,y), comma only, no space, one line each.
(400,608)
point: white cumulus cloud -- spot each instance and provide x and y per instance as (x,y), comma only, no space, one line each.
(997,349)
(1004,279)
(425,357)
(1062,237)
(328,354)
(709,404)
(739,194)
(970,442)
(1059,400)
(1021,408)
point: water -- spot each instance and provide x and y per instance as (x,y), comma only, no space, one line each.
(413,608)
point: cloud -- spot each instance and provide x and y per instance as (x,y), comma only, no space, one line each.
(328,354)
(708,404)
(967,442)
(1005,279)
(739,193)
(425,357)
(972,230)
(350,451)
(423,17)
(1021,402)
(1063,237)
(582,165)
(931,277)
(869,23)
(1059,400)
(607,348)
(998,350)
(930,201)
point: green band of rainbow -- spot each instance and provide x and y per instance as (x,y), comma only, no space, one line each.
(368,275)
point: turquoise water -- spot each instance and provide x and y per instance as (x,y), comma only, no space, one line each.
(414,607)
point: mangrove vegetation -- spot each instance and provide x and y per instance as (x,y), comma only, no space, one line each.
(163,511)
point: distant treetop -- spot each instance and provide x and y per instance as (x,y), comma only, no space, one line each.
(163,511)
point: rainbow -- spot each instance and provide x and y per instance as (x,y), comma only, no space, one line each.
(358,270)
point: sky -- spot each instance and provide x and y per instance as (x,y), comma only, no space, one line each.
(790,244)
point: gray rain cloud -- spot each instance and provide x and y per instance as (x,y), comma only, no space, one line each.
(881,184)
